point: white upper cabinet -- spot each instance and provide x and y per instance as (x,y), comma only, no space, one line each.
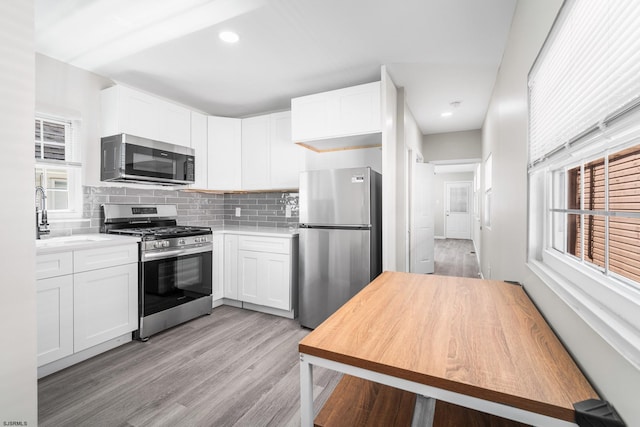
(310,117)
(286,159)
(126,110)
(255,153)
(224,153)
(269,160)
(330,116)
(199,144)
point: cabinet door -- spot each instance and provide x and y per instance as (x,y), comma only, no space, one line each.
(199,144)
(224,156)
(285,157)
(255,153)
(217,291)
(310,117)
(275,285)
(137,114)
(105,304)
(174,124)
(264,279)
(230,269)
(249,277)
(55,318)
(356,110)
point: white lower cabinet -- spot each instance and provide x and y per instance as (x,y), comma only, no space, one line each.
(217,276)
(264,279)
(55,318)
(230,267)
(105,304)
(265,271)
(260,272)
(86,298)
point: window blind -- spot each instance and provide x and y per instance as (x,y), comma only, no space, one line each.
(587,72)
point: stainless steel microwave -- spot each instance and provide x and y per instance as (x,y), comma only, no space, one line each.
(135,159)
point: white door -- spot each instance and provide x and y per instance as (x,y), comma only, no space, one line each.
(422,242)
(458,210)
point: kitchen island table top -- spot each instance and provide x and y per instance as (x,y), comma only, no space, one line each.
(472,342)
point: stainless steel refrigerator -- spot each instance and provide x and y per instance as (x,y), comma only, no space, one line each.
(340,239)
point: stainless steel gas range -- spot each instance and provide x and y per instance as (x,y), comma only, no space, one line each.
(174,272)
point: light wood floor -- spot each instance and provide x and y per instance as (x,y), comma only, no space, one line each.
(456,257)
(232,368)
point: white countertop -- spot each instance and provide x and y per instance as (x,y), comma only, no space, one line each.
(258,231)
(48,245)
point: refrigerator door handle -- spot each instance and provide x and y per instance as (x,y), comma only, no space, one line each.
(336,227)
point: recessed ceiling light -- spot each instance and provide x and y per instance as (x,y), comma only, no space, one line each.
(447,114)
(229,36)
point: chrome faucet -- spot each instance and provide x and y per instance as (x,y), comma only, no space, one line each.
(42,225)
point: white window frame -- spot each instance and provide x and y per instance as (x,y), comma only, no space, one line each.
(610,304)
(71,165)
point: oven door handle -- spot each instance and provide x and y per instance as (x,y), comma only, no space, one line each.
(152,256)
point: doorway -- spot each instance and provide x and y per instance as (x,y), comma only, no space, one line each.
(458,210)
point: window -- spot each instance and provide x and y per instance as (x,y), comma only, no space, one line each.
(55,170)
(584,167)
(595,213)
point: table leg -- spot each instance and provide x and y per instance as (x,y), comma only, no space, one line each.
(306,392)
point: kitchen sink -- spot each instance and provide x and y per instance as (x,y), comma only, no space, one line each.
(70,240)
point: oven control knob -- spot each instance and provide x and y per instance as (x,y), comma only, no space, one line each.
(165,243)
(157,244)
(181,242)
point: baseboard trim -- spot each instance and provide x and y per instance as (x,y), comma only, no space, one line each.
(83,355)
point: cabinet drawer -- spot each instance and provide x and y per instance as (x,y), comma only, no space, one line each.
(52,265)
(275,245)
(93,259)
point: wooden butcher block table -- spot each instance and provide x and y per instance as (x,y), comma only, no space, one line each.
(480,344)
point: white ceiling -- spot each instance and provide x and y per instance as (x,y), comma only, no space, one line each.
(440,51)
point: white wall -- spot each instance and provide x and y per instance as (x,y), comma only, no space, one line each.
(504,245)
(18,392)
(452,145)
(439,198)
(412,134)
(69,92)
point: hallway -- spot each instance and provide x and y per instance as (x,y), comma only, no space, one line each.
(456,257)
